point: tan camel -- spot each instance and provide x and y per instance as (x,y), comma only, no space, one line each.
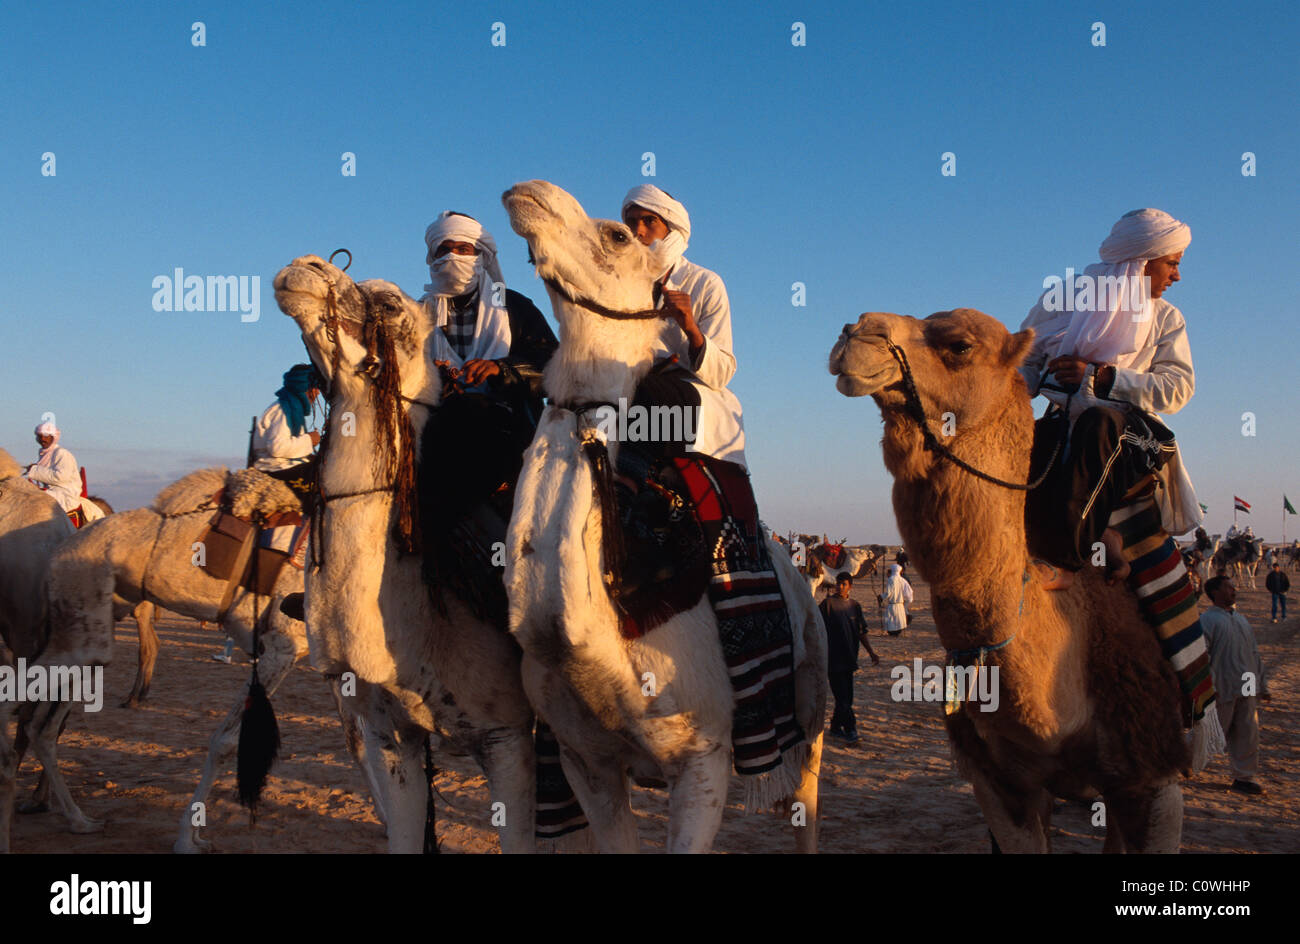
(1087,702)
(660,705)
(147,555)
(32,525)
(369,611)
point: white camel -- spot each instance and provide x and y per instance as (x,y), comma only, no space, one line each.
(661,705)
(368,609)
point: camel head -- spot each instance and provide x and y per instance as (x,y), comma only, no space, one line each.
(963,365)
(346,327)
(595,271)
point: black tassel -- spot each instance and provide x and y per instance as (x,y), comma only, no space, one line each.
(430,824)
(259,743)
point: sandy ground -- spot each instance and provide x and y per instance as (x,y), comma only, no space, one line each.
(895,791)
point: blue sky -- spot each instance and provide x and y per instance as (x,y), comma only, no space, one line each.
(818,164)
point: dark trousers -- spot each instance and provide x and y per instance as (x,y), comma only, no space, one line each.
(1279,598)
(842,689)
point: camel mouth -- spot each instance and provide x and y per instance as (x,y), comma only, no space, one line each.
(526,209)
(854,384)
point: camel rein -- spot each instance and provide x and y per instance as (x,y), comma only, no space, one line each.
(917,412)
(599,309)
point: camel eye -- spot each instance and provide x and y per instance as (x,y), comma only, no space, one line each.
(960,348)
(618,236)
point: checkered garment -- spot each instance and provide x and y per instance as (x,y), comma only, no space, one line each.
(459,328)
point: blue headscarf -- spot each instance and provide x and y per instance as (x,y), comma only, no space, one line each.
(298,379)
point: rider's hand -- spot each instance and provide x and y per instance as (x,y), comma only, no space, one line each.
(477,371)
(677,306)
(1069,370)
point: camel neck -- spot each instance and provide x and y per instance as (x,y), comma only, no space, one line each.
(966,535)
(599,360)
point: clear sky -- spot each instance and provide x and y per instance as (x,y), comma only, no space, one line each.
(818,163)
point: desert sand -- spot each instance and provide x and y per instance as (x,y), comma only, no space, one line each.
(895,791)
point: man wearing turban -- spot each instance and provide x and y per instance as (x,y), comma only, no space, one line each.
(697,319)
(56,469)
(1108,359)
(489,338)
(281,440)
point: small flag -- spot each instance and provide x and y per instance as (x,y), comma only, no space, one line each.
(1205,509)
(1240,505)
(1286,506)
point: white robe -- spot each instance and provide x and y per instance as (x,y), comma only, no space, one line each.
(1159,379)
(57,472)
(898,593)
(720,431)
(275,447)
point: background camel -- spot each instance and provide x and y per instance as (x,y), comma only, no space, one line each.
(419,668)
(661,704)
(1087,702)
(32,525)
(147,555)
(1240,555)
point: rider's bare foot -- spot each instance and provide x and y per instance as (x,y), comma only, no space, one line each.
(1117,568)
(1052,578)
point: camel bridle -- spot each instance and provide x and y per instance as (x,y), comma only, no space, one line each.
(380,366)
(598,309)
(916,411)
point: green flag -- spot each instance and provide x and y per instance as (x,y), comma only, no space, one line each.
(1205,509)
(1286,506)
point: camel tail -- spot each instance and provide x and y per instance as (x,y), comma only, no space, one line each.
(259,743)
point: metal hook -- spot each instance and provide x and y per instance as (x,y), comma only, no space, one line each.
(336,252)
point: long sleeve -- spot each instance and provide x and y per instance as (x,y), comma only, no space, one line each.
(1168,383)
(61,471)
(274,446)
(712,311)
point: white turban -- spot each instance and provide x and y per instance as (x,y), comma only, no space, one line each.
(1118,325)
(492,322)
(665,207)
(465,229)
(48,429)
(1145,234)
(672,247)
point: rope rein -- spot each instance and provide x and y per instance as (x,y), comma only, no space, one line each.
(917,412)
(599,309)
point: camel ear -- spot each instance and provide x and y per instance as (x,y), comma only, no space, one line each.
(1016,347)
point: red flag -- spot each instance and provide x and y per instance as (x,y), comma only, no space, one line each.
(1240,505)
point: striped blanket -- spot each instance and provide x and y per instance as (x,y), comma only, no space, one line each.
(753,623)
(1165,595)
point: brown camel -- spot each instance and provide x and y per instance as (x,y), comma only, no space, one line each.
(1087,702)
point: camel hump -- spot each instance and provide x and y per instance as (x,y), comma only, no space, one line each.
(188,493)
(8,467)
(252,493)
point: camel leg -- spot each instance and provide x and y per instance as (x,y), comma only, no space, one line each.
(1150,822)
(805,836)
(39,802)
(43,731)
(8,768)
(602,792)
(1010,836)
(401,753)
(696,798)
(363,746)
(144,614)
(507,760)
(272,669)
